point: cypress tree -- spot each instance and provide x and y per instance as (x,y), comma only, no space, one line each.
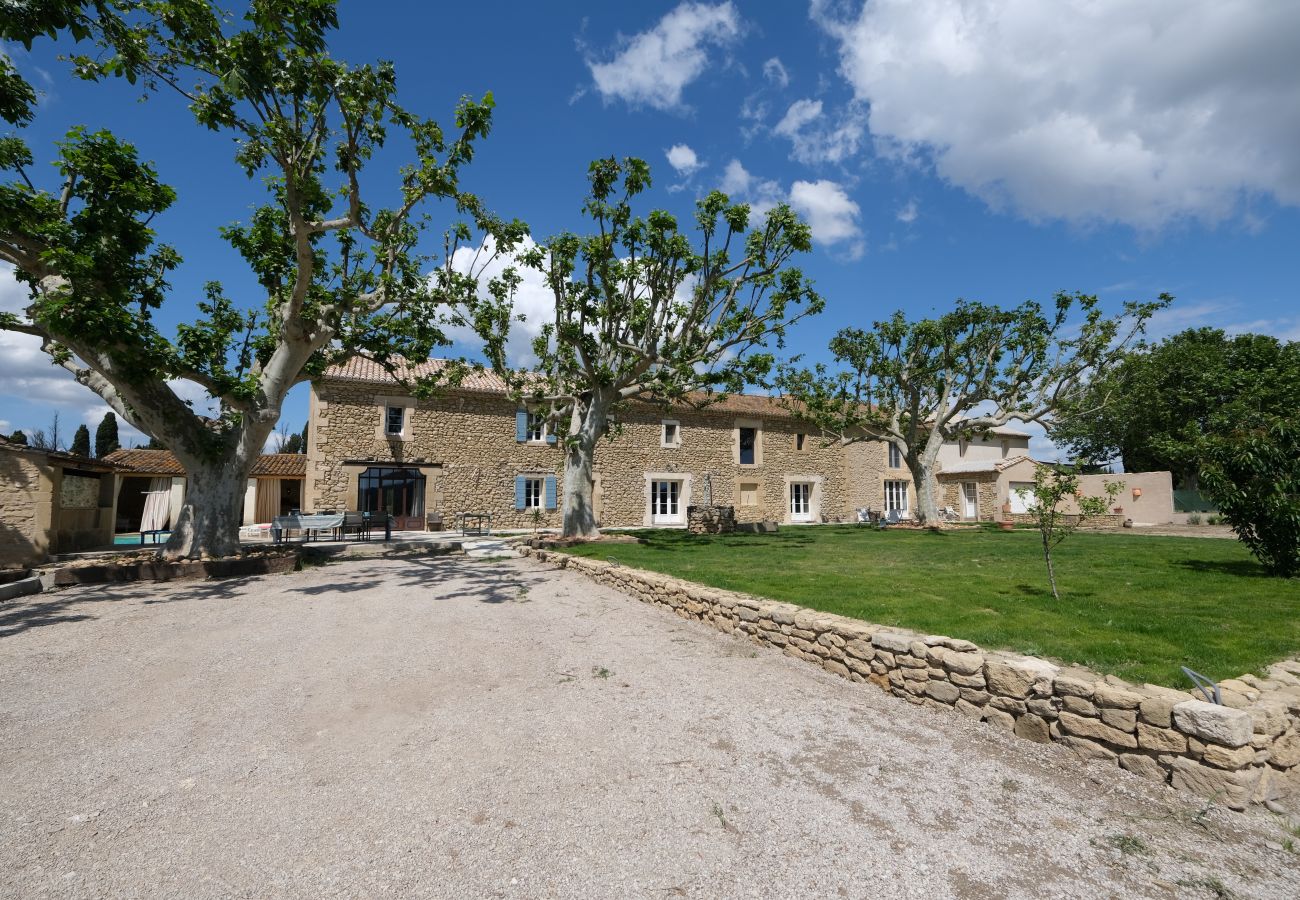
(81,441)
(106,435)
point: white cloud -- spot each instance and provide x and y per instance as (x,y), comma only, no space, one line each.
(908,214)
(682,158)
(1087,110)
(774,71)
(533,301)
(814,141)
(830,212)
(824,205)
(653,67)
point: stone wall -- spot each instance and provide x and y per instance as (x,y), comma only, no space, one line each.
(1107,520)
(26,505)
(465,442)
(987,506)
(1236,754)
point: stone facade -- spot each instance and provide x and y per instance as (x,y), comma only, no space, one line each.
(1236,754)
(465,444)
(52,503)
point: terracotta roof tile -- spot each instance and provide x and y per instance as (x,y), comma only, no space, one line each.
(162,462)
(361,368)
(75,458)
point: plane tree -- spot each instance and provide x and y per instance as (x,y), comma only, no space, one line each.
(916,384)
(335,253)
(642,313)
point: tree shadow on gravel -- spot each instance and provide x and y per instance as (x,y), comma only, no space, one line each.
(483,583)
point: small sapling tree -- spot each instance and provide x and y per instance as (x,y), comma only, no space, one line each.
(1053,486)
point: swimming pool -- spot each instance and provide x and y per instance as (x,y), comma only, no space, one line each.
(134,538)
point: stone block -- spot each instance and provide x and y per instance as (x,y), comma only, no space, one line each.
(1033,728)
(968,709)
(1157,711)
(836,667)
(861,649)
(918,649)
(1078,705)
(830,639)
(976,696)
(892,641)
(1123,719)
(999,719)
(963,663)
(1078,726)
(971,681)
(942,691)
(1285,752)
(1007,704)
(1045,709)
(1115,698)
(1019,678)
(911,662)
(1214,724)
(1232,789)
(1087,750)
(1160,740)
(1069,686)
(1226,758)
(1142,765)
(1269,718)
(919,675)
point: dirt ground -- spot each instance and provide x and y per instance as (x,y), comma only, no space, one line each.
(492,728)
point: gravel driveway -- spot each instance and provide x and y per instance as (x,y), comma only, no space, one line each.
(492,728)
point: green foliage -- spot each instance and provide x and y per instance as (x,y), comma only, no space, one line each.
(339,275)
(1138,606)
(106,439)
(920,383)
(1053,486)
(81,441)
(1154,408)
(18,437)
(1253,476)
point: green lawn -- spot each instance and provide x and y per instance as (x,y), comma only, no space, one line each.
(1134,606)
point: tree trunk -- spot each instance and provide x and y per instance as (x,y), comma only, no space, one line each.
(922,468)
(579,460)
(1051,572)
(209,520)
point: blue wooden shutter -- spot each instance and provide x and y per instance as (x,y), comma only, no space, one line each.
(519,492)
(521,427)
(550,436)
(550,492)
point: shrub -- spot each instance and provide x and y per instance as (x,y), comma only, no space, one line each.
(1194,519)
(1211,520)
(1253,477)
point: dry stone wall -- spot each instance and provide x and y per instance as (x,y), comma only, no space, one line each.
(1235,754)
(26,498)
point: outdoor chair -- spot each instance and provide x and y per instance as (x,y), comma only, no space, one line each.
(892,518)
(356,523)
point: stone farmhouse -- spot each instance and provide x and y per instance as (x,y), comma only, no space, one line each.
(374,447)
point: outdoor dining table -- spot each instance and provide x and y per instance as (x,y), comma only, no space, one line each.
(305,524)
(482,523)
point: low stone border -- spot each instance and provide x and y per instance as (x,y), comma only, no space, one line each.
(177,570)
(1235,754)
(22,587)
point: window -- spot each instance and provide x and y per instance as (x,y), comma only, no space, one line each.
(665,506)
(748,446)
(672,434)
(895,457)
(398,492)
(799,440)
(896,496)
(394,420)
(533,488)
(536,492)
(748,491)
(536,430)
(801,502)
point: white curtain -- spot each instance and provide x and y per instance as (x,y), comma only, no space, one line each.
(157,505)
(267,505)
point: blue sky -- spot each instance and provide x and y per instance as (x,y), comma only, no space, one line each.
(998,150)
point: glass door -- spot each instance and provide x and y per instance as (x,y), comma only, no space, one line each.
(801,502)
(665,502)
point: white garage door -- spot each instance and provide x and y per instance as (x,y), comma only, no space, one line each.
(1021,496)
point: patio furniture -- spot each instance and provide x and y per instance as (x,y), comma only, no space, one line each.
(893,517)
(154,534)
(434,522)
(308,525)
(482,523)
(355,523)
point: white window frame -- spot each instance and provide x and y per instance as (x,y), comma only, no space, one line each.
(676,440)
(666,501)
(389,409)
(534,492)
(895,456)
(801,493)
(896,497)
(535,432)
(970,500)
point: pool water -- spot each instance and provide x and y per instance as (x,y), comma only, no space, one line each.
(134,539)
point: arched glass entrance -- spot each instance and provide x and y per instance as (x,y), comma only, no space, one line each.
(397,492)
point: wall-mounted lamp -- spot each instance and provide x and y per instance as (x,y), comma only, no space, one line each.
(1137,492)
